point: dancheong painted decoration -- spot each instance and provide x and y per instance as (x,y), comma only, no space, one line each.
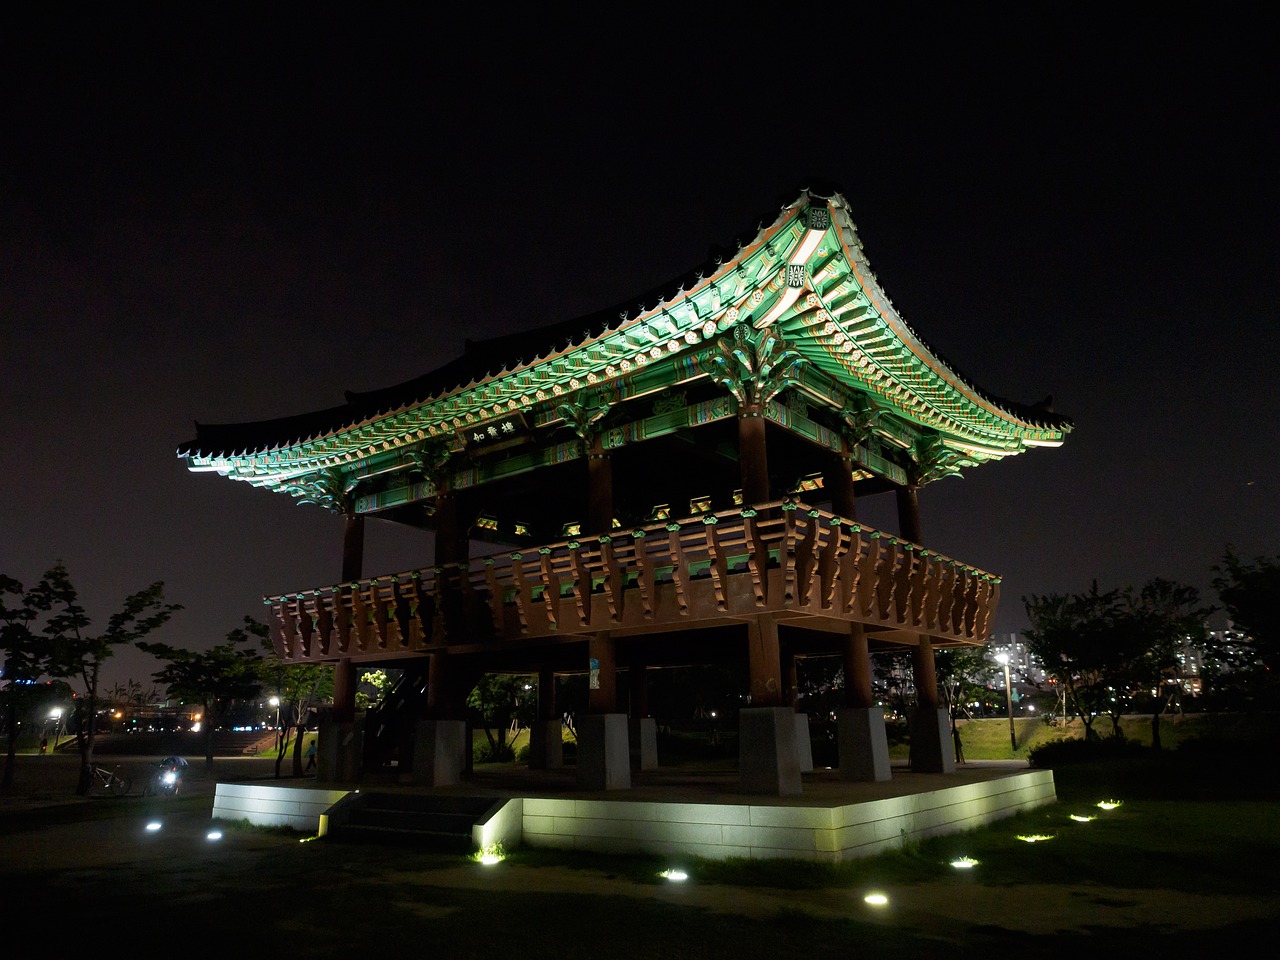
(668,482)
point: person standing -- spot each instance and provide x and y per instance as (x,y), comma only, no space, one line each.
(311,755)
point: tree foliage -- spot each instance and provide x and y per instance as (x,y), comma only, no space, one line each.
(501,701)
(962,677)
(216,677)
(1168,619)
(1248,590)
(1082,641)
(299,687)
(64,646)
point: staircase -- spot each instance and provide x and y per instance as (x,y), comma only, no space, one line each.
(431,822)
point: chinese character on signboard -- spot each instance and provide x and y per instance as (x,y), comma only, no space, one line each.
(497,434)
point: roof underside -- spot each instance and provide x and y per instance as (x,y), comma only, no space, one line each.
(803,278)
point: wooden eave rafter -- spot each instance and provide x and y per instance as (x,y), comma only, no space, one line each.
(841,321)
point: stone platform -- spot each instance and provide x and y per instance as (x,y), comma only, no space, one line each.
(695,813)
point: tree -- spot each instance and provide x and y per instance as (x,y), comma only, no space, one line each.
(1081,641)
(1167,619)
(961,672)
(1248,591)
(500,698)
(64,648)
(217,677)
(299,687)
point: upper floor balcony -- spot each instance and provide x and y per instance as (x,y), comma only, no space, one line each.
(782,558)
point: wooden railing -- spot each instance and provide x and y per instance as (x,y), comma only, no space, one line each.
(781,556)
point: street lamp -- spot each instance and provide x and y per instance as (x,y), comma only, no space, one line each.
(275,702)
(1003,660)
(56,716)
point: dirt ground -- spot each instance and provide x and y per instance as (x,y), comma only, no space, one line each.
(47,847)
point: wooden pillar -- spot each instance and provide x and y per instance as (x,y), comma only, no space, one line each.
(857,668)
(547,694)
(753,463)
(437,693)
(765,662)
(344,671)
(453,547)
(353,547)
(602,688)
(925,673)
(909,515)
(599,489)
(838,480)
(452,541)
(344,690)
(787,667)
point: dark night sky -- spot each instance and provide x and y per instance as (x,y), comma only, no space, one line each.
(225,219)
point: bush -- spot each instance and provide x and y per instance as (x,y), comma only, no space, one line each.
(1057,753)
(486,752)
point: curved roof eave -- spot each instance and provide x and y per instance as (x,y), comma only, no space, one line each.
(486,359)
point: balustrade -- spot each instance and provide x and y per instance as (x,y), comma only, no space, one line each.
(776,556)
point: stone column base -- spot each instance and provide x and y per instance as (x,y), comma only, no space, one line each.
(931,747)
(643,735)
(768,760)
(339,749)
(439,753)
(546,745)
(863,744)
(604,757)
(804,745)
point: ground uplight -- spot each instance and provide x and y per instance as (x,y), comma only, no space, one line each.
(1034,837)
(876,900)
(1108,804)
(674,875)
(490,855)
(154,826)
(964,863)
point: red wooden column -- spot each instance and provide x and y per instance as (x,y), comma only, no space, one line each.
(925,673)
(838,480)
(547,695)
(353,547)
(857,668)
(599,488)
(909,515)
(764,662)
(753,462)
(863,744)
(769,755)
(790,679)
(344,671)
(603,697)
(931,747)
(546,743)
(603,753)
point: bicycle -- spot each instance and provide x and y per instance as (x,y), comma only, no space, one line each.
(112,782)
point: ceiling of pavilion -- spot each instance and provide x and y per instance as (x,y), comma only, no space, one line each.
(802,279)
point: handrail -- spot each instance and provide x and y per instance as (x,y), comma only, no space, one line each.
(791,555)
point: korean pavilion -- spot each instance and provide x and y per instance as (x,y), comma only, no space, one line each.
(667,483)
